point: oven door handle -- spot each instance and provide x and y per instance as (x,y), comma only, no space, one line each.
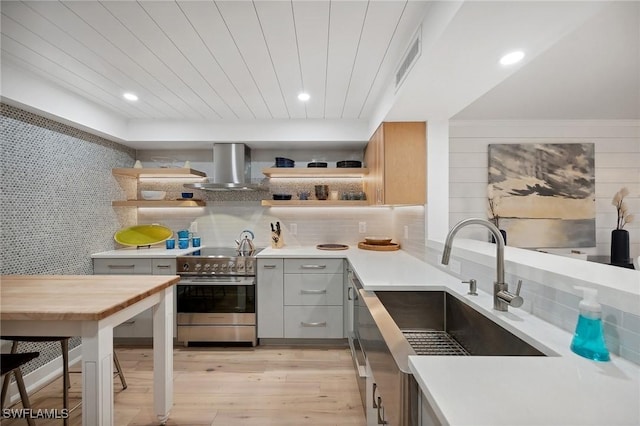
(209,281)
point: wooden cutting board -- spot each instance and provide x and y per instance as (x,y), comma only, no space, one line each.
(379,247)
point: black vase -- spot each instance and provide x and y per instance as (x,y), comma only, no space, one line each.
(504,236)
(620,247)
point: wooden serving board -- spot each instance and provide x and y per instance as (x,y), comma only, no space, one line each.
(379,247)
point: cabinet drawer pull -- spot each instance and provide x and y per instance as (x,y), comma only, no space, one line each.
(313,324)
(313,266)
(121,266)
(269,266)
(163,266)
(373,393)
(381,420)
(130,322)
(313,291)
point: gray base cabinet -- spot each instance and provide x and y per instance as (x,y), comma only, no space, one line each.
(270,298)
(140,326)
(301,298)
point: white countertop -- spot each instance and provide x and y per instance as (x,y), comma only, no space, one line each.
(561,389)
(143,253)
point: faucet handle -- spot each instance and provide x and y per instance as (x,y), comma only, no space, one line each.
(472,287)
(512,299)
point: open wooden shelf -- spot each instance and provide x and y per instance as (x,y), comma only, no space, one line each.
(161,203)
(158,173)
(315,203)
(314,172)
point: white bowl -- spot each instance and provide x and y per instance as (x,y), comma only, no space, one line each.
(153,195)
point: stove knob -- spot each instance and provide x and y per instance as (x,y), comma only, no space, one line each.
(240,266)
(198,267)
(207,267)
(223,267)
(231,266)
(185,267)
(215,267)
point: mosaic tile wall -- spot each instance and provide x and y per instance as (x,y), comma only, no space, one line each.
(56,189)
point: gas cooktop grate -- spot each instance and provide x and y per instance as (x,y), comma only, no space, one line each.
(432,342)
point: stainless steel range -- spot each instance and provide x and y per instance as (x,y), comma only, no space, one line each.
(216,296)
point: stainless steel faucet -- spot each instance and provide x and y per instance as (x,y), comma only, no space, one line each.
(502,298)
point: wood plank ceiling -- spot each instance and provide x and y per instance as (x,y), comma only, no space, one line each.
(215,60)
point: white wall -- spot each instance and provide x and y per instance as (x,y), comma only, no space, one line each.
(617,163)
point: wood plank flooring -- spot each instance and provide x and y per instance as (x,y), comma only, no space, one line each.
(266,385)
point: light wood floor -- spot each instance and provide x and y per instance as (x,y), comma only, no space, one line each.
(230,386)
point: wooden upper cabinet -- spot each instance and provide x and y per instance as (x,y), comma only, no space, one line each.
(396,157)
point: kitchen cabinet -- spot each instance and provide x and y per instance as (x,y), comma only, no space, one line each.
(396,157)
(180,173)
(313,298)
(270,298)
(300,298)
(374,406)
(427,416)
(140,326)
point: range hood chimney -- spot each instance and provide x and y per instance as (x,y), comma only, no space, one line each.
(231,169)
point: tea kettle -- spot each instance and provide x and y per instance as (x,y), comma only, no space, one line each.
(245,245)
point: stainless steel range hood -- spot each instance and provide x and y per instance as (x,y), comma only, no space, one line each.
(231,169)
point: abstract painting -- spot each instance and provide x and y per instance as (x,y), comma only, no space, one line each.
(544,194)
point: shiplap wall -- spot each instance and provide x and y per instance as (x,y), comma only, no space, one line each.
(617,163)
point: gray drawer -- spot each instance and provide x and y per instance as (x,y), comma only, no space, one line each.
(313,322)
(313,266)
(122,266)
(313,289)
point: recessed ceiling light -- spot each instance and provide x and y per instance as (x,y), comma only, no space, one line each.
(304,96)
(512,58)
(130,96)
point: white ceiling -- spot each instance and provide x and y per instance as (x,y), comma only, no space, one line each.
(231,70)
(214,60)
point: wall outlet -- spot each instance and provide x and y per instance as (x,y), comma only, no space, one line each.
(455,266)
(362,227)
(293,228)
(406,232)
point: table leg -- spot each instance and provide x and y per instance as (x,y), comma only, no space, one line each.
(97,374)
(163,356)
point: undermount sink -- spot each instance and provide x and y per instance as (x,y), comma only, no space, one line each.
(437,323)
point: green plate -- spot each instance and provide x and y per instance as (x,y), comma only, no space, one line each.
(142,235)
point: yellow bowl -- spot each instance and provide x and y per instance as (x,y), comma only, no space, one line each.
(142,235)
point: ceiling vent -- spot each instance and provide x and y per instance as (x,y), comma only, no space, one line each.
(409,59)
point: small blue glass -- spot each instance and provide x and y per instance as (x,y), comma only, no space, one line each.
(195,242)
(170,243)
(183,243)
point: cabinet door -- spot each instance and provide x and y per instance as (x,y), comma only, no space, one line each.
(405,163)
(270,298)
(313,322)
(122,266)
(313,289)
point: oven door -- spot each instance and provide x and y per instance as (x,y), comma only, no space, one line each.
(216,309)
(216,295)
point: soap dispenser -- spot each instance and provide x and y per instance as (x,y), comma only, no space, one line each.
(588,340)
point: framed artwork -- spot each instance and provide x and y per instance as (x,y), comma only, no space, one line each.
(543,195)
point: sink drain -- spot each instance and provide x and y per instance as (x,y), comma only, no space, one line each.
(431,342)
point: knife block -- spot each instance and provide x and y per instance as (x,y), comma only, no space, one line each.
(276,240)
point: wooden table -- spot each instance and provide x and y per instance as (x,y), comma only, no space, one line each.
(90,306)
